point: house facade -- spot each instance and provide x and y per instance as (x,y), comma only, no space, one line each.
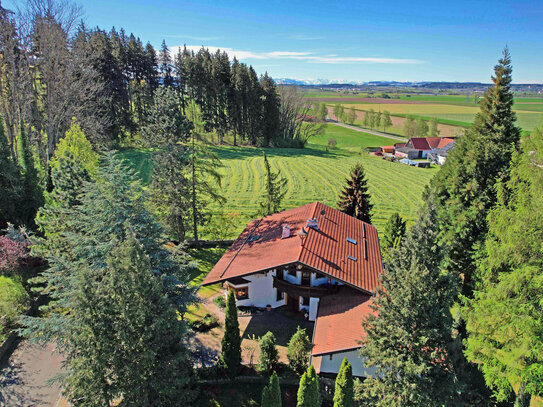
(308,259)
(421,147)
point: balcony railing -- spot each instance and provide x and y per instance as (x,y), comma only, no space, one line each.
(303,291)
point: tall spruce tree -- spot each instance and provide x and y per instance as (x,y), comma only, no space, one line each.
(308,391)
(355,199)
(274,190)
(464,188)
(395,229)
(409,339)
(344,388)
(231,341)
(505,319)
(99,345)
(271,394)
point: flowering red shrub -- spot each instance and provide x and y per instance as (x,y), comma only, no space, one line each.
(12,254)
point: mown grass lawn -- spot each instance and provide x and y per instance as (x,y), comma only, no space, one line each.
(313,174)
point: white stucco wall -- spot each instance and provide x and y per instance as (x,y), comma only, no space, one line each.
(297,279)
(261,291)
(315,282)
(313,307)
(332,362)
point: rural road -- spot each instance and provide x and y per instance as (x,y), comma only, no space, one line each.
(374,132)
(24,377)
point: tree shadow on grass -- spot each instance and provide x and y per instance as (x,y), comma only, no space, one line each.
(248,152)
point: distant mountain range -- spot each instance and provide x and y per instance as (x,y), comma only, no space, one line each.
(338,83)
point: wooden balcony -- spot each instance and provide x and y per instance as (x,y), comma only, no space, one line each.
(303,291)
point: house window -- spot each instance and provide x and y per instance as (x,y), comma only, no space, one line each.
(292,272)
(280,295)
(242,293)
(305,300)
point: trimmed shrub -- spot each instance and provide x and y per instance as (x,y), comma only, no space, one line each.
(268,353)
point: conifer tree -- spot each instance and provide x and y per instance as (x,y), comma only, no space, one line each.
(274,190)
(231,341)
(268,353)
(87,315)
(298,351)
(355,199)
(78,146)
(344,388)
(504,319)
(465,186)
(271,395)
(394,230)
(308,391)
(270,113)
(409,340)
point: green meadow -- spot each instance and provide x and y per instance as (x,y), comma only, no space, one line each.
(313,173)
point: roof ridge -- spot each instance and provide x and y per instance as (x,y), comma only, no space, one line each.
(302,246)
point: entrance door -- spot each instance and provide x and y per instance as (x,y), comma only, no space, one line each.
(293,302)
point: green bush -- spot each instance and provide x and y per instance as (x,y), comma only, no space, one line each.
(268,353)
(205,324)
(13,302)
(299,347)
(220,301)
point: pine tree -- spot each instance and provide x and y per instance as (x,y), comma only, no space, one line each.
(308,391)
(86,316)
(274,190)
(270,113)
(409,340)
(298,351)
(344,388)
(271,395)
(165,66)
(231,341)
(465,186)
(170,190)
(395,229)
(165,122)
(269,355)
(355,200)
(130,333)
(504,317)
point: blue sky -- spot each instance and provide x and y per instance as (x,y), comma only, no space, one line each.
(347,40)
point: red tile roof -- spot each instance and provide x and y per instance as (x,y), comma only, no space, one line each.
(338,326)
(444,142)
(418,143)
(324,250)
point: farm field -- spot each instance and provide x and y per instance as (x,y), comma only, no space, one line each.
(313,174)
(529,115)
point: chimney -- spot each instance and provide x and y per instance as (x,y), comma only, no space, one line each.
(286,231)
(312,223)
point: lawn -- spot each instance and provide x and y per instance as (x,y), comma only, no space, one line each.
(313,174)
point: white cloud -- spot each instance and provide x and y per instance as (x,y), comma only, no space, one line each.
(300,56)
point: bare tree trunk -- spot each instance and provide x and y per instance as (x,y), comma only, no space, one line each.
(523,398)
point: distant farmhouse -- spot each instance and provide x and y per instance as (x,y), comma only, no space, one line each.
(435,149)
(311,259)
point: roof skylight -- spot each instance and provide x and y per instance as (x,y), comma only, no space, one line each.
(351,240)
